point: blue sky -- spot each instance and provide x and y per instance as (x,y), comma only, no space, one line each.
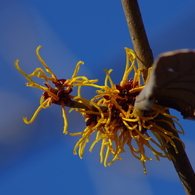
(38,158)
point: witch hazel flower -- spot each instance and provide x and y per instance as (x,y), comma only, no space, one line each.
(55,91)
(119,126)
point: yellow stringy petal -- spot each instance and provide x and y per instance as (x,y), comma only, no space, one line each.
(65,119)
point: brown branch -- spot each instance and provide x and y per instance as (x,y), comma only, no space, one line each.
(144,53)
(138,34)
(182,165)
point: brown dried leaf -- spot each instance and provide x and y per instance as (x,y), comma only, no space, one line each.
(171,83)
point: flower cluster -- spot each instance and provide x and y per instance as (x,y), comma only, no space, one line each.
(116,122)
(110,114)
(60,92)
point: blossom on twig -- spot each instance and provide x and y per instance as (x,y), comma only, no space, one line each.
(117,123)
(58,94)
(110,114)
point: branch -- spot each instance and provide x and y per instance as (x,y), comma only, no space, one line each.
(181,163)
(145,57)
(138,35)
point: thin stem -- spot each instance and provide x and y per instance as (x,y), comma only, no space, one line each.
(142,48)
(138,34)
(75,104)
(181,163)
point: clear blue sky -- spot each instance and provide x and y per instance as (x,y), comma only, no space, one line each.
(38,159)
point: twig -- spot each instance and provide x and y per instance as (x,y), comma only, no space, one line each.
(138,35)
(181,163)
(144,53)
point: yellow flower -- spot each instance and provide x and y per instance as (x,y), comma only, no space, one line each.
(60,92)
(116,123)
